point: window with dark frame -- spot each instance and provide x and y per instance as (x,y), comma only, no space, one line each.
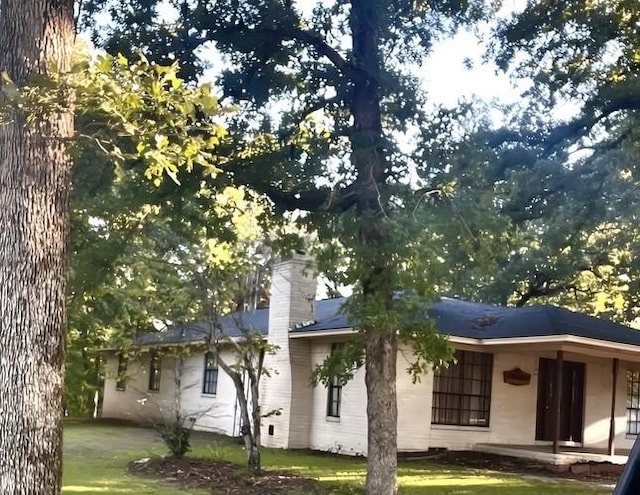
(210,377)
(462,391)
(121,380)
(334,398)
(633,402)
(154,372)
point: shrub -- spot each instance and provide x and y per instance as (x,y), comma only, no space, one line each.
(176,438)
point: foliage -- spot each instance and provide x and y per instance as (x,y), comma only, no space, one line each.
(548,204)
(137,111)
(527,229)
(169,124)
(122,222)
(176,438)
(195,268)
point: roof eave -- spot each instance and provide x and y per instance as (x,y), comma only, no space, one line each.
(491,342)
(548,339)
(298,334)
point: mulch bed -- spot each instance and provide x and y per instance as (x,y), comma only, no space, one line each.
(222,478)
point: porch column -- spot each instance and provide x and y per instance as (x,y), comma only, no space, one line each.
(612,420)
(558,400)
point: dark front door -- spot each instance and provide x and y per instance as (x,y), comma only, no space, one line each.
(571,403)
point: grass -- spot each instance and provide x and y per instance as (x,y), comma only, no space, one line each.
(96,458)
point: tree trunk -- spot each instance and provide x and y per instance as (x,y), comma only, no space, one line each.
(382,413)
(246,430)
(36,38)
(368,155)
(256,416)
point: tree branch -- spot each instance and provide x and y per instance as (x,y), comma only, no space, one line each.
(317,42)
(542,290)
(298,117)
(317,200)
(571,130)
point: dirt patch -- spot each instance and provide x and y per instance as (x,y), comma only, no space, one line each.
(222,478)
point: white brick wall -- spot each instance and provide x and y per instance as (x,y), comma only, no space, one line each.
(303,421)
(598,402)
(137,402)
(347,434)
(512,416)
(301,394)
(414,406)
(212,412)
(218,412)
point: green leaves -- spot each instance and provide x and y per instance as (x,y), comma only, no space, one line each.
(342,363)
(138,111)
(168,124)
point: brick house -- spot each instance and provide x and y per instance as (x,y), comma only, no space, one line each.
(535,378)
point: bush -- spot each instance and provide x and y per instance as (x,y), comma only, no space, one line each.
(176,438)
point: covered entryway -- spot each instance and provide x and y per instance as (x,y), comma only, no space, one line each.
(563,379)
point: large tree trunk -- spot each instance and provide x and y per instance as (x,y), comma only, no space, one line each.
(36,37)
(382,413)
(368,155)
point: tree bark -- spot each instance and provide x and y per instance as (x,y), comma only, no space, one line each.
(36,38)
(368,155)
(382,413)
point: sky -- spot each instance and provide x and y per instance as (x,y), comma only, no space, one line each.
(447,78)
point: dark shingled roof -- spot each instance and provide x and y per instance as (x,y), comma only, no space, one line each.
(232,326)
(452,317)
(485,321)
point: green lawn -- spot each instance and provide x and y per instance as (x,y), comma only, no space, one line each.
(96,457)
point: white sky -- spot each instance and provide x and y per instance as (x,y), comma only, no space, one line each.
(447,79)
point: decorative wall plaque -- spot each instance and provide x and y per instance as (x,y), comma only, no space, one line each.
(517,377)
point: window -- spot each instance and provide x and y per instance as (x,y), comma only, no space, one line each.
(462,392)
(121,379)
(210,378)
(154,371)
(633,402)
(335,392)
(335,397)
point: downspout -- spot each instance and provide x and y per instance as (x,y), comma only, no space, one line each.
(612,421)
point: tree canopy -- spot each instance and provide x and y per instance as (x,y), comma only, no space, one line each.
(563,172)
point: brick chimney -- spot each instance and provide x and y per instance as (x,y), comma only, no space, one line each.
(288,389)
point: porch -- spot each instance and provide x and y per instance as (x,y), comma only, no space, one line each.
(545,453)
